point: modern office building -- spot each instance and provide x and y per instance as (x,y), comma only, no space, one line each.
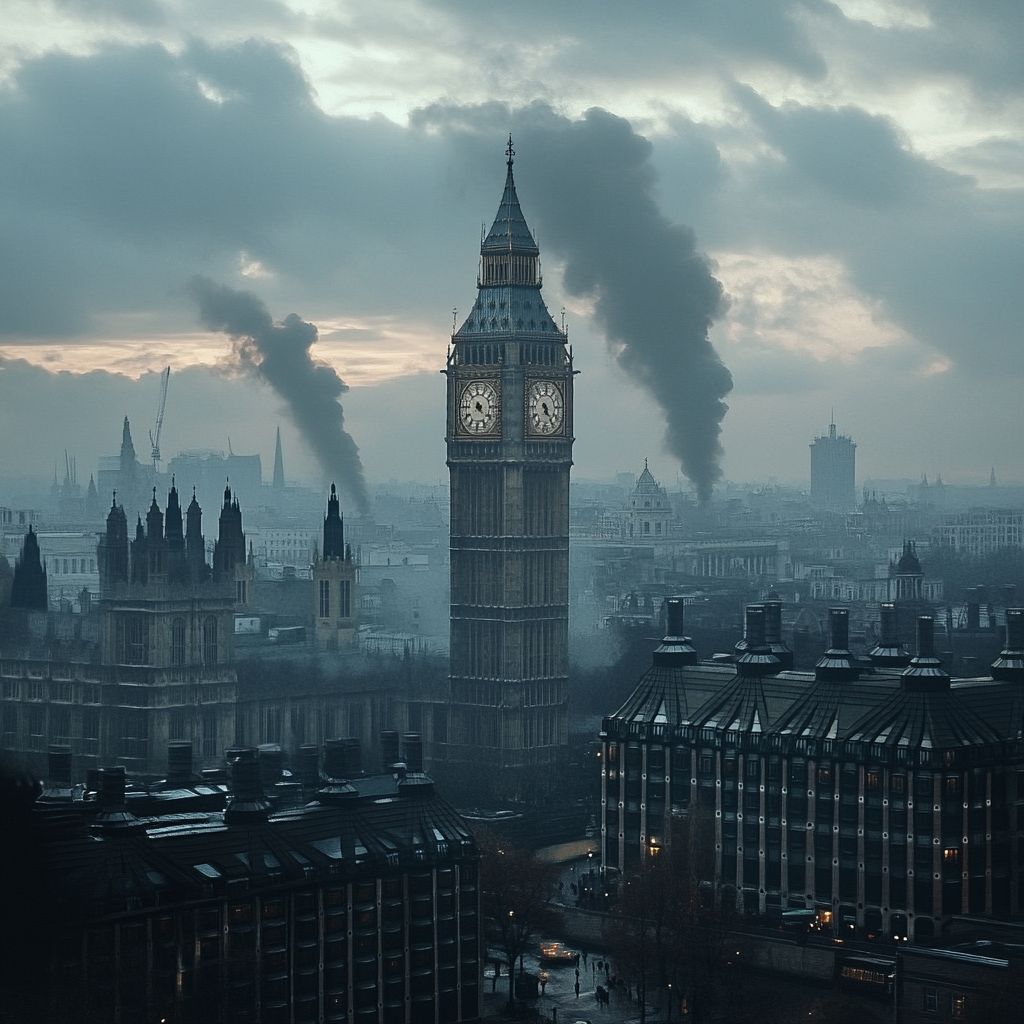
(833,463)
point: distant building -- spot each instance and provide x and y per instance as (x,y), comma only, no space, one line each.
(833,472)
(334,585)
(28,589)
(982,531)
(648,515)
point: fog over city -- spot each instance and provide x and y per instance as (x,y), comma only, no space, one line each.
(511,513)
(852,172)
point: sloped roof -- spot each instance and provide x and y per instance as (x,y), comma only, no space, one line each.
(509,232)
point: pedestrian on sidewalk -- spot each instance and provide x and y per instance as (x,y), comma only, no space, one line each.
(577,990)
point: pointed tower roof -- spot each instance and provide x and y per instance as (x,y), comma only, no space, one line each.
(508,302)
(509,232)
(278,463)
(126,440)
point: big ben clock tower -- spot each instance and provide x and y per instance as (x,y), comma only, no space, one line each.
(509,451)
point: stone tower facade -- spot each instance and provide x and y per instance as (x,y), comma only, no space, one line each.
(334,585)
(509,436)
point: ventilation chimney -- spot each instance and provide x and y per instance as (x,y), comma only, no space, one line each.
(1009,666)
(743,645)
(889,653)
(334,785)
(925,672)
(308,764)
(389,754)
(415,783)
(837,665)
(58,775)
(247,803)
(773,633)
(271,764)
(352,758)
(675,649)
(179,763)
(757,658)
(113,814)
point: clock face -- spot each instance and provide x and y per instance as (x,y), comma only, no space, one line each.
(480,408)
(544,407)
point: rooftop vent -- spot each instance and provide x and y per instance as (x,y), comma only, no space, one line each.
(415,783)
(113,814)
(334,776)
(179,762)
(247,803)
(773,632)
(58,774)
(838,664)
(757,658)
(889,653)
(1009,666)
(389,749)
(675,648)
(925,672)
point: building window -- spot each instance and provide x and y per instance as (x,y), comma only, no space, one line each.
(91,731)
(133,637)
(345,611)
(753,768)
(951,856)
(872,780)
(210,734)
(824,776)
(135,734)
(36,728)
(951,785)
(931,1001)
(10,727)
(958,1004)
(210,641)
(11,689)
(325,599)
(899,783)
(240,595)
(60,725)
(178,642)
(271,725)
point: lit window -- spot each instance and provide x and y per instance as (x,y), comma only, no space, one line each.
(959,1004)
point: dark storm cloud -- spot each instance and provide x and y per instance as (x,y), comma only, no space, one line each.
(124,172)
(943,256)
(279,354)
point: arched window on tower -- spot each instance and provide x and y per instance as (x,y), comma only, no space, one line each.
(210,641)
(178,642)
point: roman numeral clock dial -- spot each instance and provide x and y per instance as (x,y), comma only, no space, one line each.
(479,408)
(544,407)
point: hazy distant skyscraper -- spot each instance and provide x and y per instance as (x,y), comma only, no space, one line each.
(509,452)
(833,471)
(278,463)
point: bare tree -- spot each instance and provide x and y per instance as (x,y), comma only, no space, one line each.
(517,891)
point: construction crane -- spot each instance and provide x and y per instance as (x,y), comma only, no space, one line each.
(154,438)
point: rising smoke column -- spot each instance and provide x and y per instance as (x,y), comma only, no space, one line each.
(279,354)
(654,292)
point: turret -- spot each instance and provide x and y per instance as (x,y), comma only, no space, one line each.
(229,550)
(334,528)
(757,659)
(195,543)
(114,546)
(173,530)
(28,589)
(675,648)
(889,653)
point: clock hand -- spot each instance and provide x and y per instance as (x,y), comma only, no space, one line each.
(479,407)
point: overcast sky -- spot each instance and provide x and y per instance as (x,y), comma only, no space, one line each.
(853,172)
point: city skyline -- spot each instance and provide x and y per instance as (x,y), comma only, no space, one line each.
(850,170)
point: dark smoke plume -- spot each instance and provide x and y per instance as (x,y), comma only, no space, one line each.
(279,354)
(655,294)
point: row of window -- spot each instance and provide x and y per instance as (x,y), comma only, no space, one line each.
(69,566)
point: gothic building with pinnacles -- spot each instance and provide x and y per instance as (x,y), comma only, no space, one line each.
(150,663)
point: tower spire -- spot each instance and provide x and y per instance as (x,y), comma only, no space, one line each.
(278,463)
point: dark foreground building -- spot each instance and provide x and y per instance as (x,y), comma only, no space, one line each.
(354,899)
(876,792)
